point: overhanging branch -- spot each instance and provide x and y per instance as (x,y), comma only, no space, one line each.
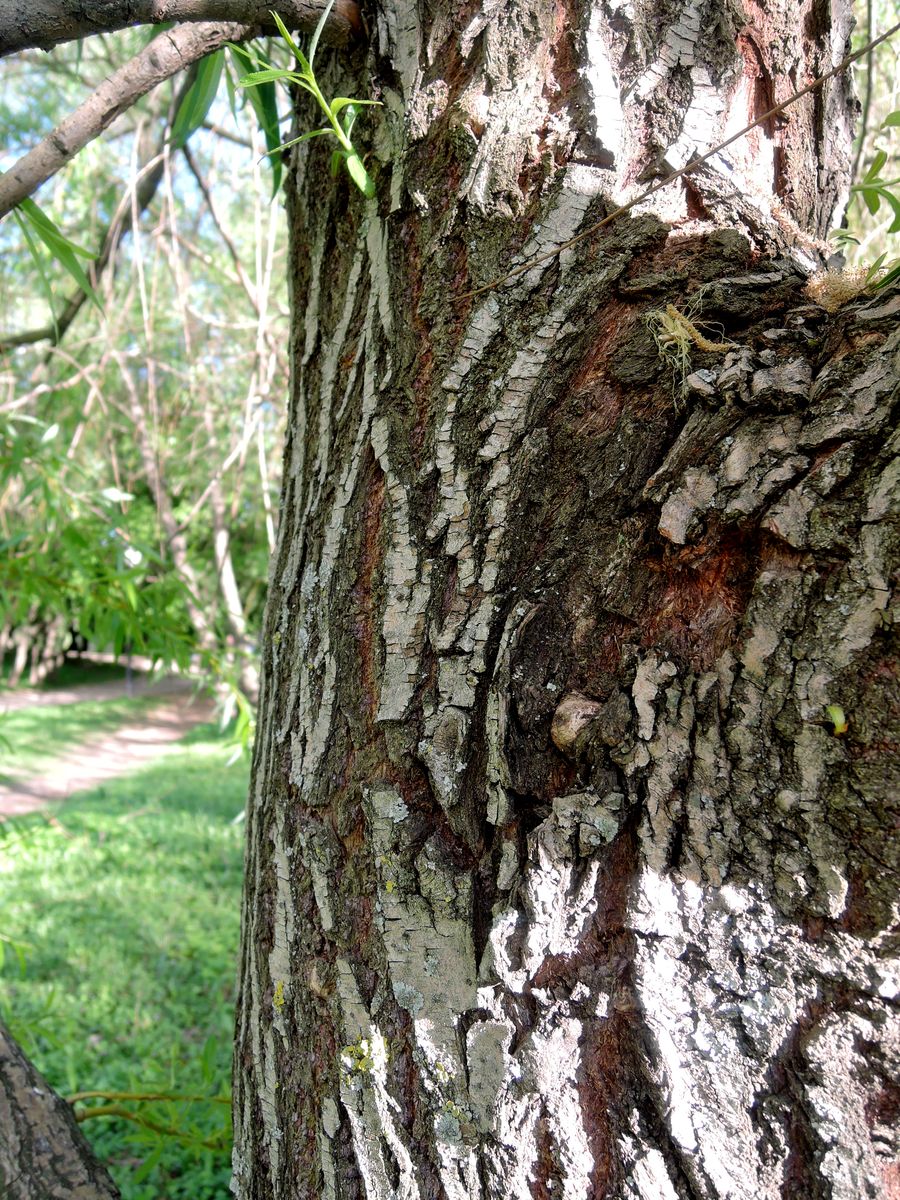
(145,186)
(42,1151)
(44,24)
(167,54)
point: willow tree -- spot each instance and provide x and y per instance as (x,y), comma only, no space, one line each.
(568,870)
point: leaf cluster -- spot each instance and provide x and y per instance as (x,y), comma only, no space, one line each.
(340,113)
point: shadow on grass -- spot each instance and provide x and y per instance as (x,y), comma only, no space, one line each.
(30,735)
(128,898)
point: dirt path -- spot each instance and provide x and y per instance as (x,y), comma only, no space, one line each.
(109,755)
(116,689)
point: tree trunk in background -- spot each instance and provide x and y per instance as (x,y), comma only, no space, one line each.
(43,1153)
(562,878)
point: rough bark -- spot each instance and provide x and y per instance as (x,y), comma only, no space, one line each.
(564,877)
(43,1153)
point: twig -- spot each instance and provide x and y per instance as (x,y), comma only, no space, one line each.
(682,171)
(116,1110)
(867,99)
(174,1096)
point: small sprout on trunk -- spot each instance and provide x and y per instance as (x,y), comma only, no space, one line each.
(838,720)
(676,336)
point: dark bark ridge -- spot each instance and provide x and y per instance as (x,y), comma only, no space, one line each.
(43,1153)
(561,878)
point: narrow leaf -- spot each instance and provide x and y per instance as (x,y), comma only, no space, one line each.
(340,102)
(875,167)
(43,225)
(891,120)
(360,175)
(264,101)
(198,101)
(892,276)
(270,75)
(317,32)
(894,201)
(295,49)
(871,198)
(59,246)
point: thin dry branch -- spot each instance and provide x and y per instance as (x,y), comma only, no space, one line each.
(167,54)
(142,188)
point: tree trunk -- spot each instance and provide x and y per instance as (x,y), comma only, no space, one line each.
(43,1153)
(568,871)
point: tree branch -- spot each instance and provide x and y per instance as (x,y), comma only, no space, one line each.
(167,54)
(145,185)
(44,24)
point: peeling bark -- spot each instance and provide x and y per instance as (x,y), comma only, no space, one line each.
(563,878)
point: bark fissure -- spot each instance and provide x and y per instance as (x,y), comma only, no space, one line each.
(555,631)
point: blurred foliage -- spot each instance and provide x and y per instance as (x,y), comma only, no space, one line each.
(120,927)
(175,388)
(877,83)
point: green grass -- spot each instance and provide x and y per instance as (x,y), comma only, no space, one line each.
(128,898)
(28,736)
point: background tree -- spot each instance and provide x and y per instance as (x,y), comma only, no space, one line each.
(567,870)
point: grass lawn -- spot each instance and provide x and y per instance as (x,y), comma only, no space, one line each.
(128,900)
(28,736)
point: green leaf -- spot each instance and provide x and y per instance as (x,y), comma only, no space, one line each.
(894,201)
(317,32)
(340,102)
(198,101)
(59,246)
(45,228)
(264,101)
(243,52)
(872,272)
(871,198)
(892,276)
(231,88)
(875,166)
(359,174)
(843,235)
(304,137)
(891,120)
(295,49)
(38,261)
(337,157)
(270,75)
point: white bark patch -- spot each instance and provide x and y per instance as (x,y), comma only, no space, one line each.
(713,1036)
(408,592)
(603,87)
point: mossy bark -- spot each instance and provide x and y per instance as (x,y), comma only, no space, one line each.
(562,877)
